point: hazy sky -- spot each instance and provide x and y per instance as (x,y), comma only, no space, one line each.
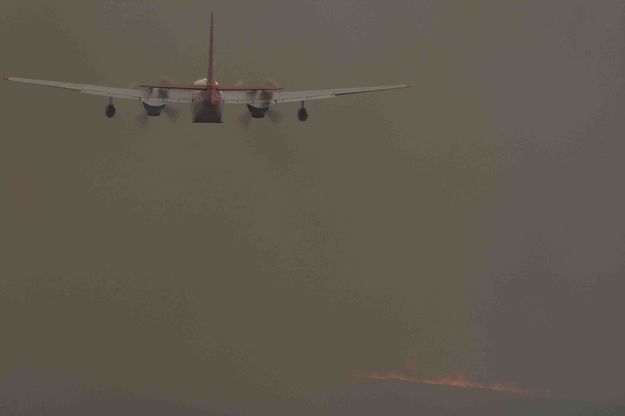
(472,223)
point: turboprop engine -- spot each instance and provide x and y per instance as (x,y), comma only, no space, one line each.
(257,112)
(153,110)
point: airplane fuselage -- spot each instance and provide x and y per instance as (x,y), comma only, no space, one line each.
(207,106)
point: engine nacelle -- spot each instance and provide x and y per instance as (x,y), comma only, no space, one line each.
(257,112)
(153,110)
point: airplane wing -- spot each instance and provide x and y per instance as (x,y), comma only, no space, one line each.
(175,96)
(263,98)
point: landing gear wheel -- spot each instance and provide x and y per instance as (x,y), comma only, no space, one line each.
(302,114)
(110,109)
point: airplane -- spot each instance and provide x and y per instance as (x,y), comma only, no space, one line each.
(206,96)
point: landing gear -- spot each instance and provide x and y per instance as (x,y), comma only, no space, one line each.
(302,114)
(110,109)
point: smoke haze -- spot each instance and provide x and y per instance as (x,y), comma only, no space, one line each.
(471,223)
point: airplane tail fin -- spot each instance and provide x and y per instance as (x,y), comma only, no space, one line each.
(212,79)
(211,54)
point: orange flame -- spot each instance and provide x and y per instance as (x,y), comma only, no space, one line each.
(458,380)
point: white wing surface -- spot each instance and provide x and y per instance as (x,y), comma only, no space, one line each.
(263,98)
(144,94)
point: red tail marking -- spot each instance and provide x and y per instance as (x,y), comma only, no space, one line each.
(212,98)
(211,54)
(6,77)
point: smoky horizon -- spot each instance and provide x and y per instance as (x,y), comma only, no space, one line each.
(455,247)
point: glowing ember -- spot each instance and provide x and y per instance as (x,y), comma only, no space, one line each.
(458,380)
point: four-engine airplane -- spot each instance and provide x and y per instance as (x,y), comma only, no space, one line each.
(206,96)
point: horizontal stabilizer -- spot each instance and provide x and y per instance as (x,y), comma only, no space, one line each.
(244,88)
(202,87)
(199,87)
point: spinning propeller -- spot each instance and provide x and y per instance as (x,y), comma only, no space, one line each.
(163,93)
(265,98)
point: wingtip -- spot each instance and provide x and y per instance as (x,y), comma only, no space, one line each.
(6,77)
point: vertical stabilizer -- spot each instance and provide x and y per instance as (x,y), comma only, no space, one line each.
(211,54)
